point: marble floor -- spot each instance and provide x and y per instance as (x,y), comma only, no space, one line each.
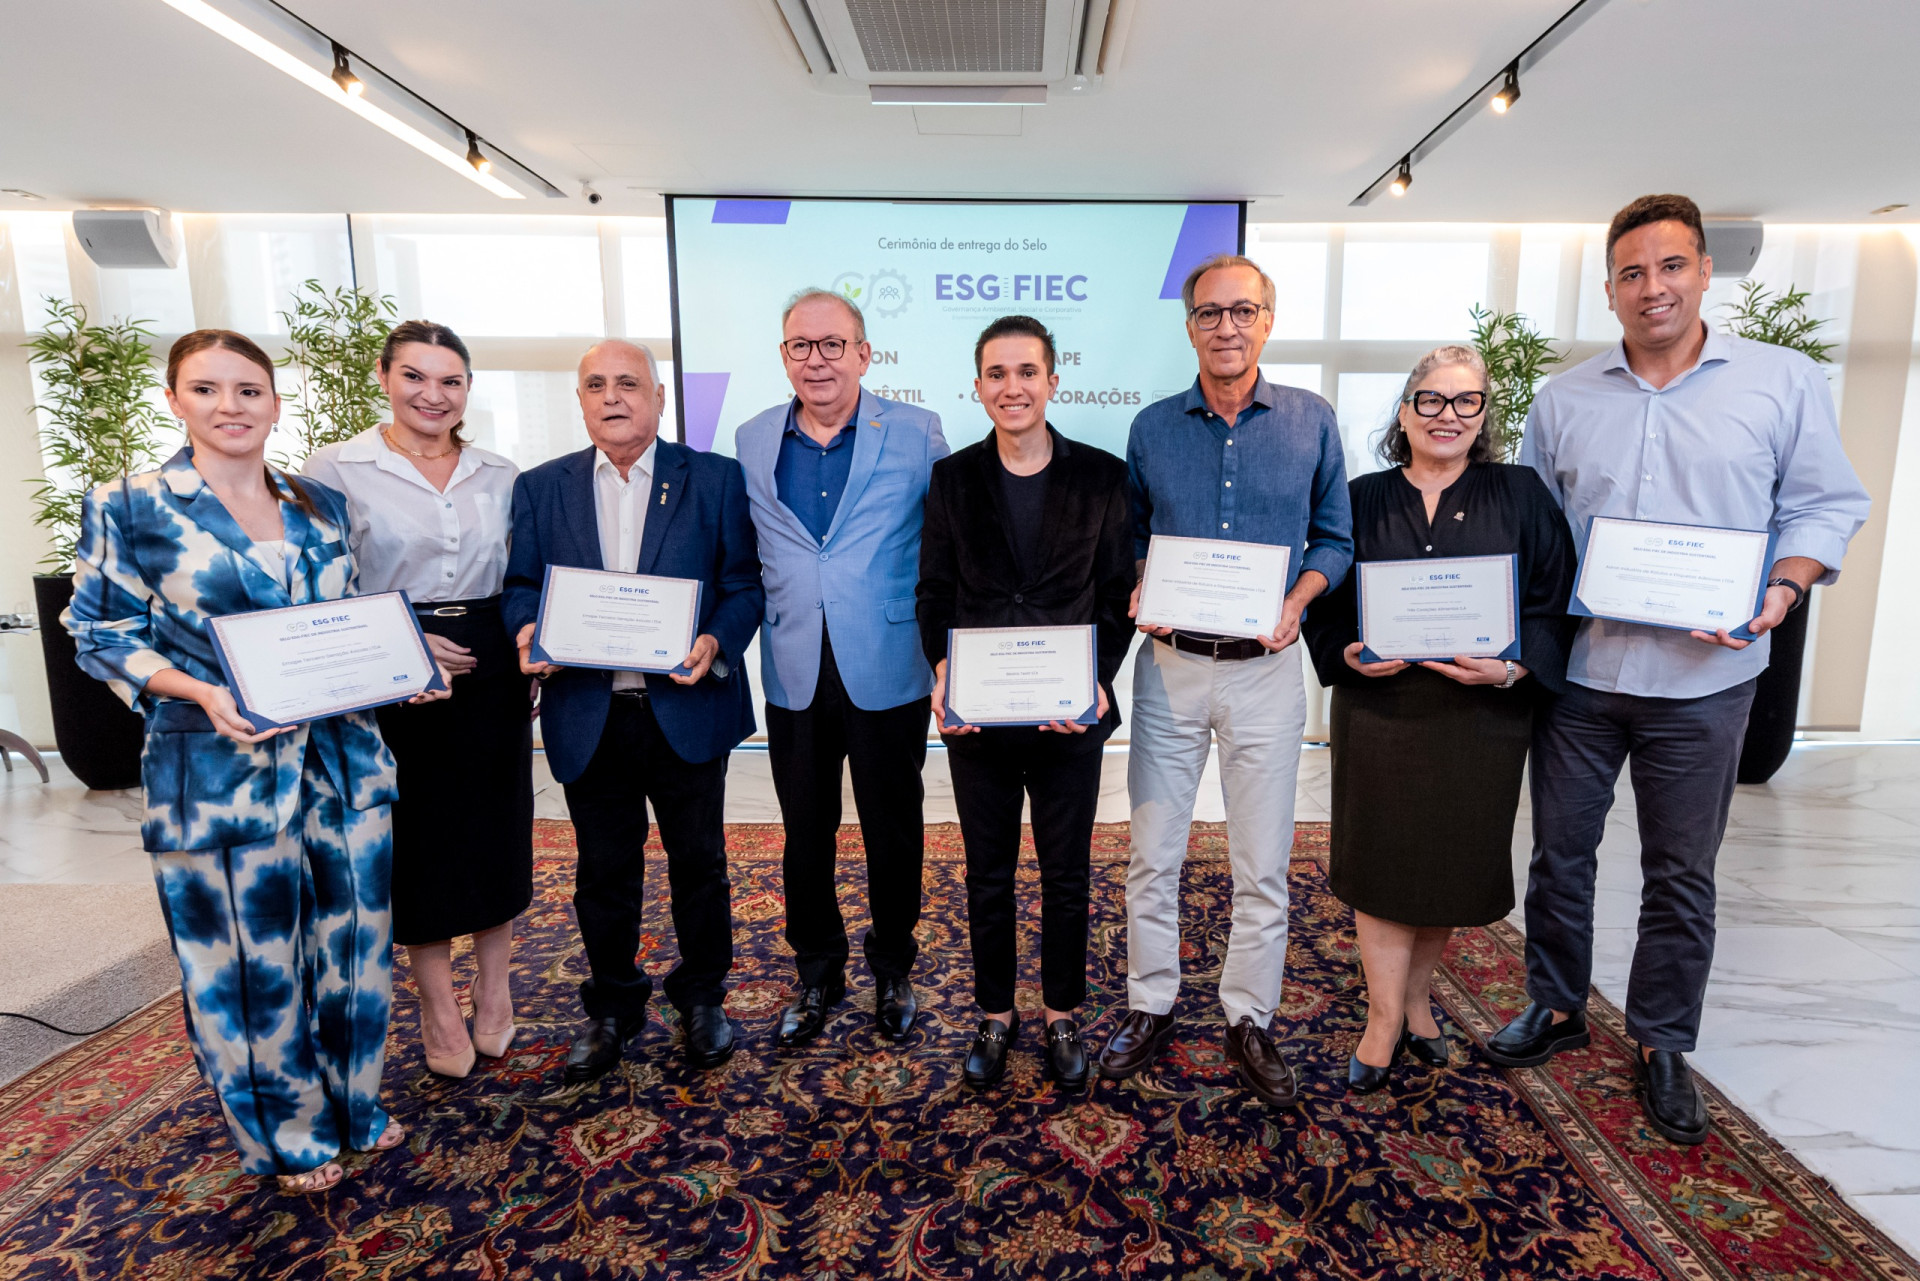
(1813,1013)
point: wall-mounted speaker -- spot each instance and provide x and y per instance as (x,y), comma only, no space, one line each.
(127,237)
(1734,244)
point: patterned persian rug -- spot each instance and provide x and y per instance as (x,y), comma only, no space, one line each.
(853,1159)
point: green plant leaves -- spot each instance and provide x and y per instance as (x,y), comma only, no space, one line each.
(334,337)
(1780,319)
(1518,359)
(101,422)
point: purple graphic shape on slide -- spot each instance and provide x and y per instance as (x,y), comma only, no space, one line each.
(768,212)
(1205,231)
(701,396)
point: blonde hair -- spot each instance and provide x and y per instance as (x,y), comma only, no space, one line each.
(1393,445)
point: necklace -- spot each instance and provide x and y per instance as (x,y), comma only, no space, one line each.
(387,436)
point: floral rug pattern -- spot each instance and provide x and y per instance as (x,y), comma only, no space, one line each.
(856,1159)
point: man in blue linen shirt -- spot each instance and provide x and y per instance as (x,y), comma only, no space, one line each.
(1232,458)
(1681,424)
(837,479)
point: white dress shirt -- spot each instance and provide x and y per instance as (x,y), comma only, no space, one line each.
(620,507)
(435,545)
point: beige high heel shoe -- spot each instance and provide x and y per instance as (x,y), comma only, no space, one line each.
(455,1065)
(494,1044)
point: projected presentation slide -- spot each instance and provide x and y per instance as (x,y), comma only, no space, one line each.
(1105,277)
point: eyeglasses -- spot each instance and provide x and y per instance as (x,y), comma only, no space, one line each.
(799,349)
(1428,404)
(1243,313)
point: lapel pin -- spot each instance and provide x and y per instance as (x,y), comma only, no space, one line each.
(1459,515)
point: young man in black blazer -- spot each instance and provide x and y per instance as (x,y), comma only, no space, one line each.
(1026,529)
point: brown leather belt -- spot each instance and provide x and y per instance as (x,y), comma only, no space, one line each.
(1224,649)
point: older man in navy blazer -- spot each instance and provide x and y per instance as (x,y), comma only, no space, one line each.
(837,478)
(616,740)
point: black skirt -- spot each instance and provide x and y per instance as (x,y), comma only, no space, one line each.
(1426,782)
(463,826)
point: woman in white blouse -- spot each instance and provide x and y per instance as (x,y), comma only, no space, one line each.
(430,515)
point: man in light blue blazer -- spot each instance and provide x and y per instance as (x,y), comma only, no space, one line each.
(836,479)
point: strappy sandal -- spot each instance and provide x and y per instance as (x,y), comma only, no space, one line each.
(390,1138)
(313,1181)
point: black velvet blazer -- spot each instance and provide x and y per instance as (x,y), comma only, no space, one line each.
(1082,574)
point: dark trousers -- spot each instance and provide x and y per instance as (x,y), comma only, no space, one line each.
(885,750)
(1060,773)
(632,765)
(1684,753)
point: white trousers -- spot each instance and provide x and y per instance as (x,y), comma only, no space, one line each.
(1256,709)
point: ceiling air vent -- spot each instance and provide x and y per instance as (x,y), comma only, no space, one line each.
(938,50)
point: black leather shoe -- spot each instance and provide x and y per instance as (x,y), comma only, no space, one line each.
(1365,1078)
(1430,1050)
(801,1021)
(1533,1037)
(1066,1057)
(1670,1098)
(987,1058)
(1261,1066)
(598,1048)
(894,1008)
(709,1035)
(1135,1044)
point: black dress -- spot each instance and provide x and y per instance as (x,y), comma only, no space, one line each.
(1426,771)
(463,826)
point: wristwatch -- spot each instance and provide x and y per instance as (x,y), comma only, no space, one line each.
(1799,592)
(1513,673)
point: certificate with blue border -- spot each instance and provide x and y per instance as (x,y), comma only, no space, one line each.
(619,622)
(1694,578)
(1021,676)
(1439,609)
(300,663)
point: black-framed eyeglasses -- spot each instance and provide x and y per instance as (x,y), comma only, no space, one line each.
(799,349)
(1243,313)
(1429,404)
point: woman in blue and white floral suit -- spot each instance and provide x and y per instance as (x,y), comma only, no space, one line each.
(271,850)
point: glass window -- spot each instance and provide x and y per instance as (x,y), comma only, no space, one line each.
(161,298)
(1299,271)
(1307,376)
(643,267)
(1412,289)
(39,263)
(1596,322)
(1363,405)
(1537,296)
(248,268)
(494,277)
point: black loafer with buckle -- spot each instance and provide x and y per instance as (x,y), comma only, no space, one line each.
(987,1058)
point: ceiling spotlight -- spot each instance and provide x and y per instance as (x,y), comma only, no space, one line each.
(1883,209)
(476,157)
(1509,92)
(343,74)
(1403,179)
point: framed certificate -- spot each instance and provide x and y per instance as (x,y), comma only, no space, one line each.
(1021,676)
(1691,577)
(302,662)
(1436,610)
(1213,586)
(621,622)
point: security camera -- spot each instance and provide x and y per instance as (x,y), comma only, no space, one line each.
(593,197)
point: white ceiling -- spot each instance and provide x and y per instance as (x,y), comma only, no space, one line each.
(1778,109)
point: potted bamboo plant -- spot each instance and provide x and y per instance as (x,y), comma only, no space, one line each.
(334,338)
(101,420)
(1780,319)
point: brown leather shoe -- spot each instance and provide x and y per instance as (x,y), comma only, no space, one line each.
(1260,1064)
(1136,1043)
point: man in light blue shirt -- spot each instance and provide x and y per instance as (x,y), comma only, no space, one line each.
(1684,425)
(837,479)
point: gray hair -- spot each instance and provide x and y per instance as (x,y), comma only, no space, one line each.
(1216,263)
(1394,448)
(812,292)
